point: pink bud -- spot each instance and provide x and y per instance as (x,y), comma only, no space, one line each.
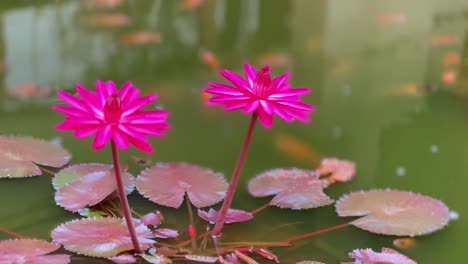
(151,219)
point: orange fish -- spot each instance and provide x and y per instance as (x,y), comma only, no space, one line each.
(444,40)
(296,149)
(390,19)
(27,91)
(190,4)
(449,77)
(109,20)
(209,58)
(404,243)
(141,38)
(274,59)
(451,59)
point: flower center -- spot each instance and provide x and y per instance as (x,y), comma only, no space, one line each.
(113,109)
(261,86)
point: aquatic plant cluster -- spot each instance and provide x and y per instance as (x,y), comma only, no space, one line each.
(109,228)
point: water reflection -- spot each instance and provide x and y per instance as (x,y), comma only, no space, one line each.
(387,77)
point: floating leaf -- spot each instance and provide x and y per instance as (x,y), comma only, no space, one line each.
(390,256)
(204,259)
(100,237)
(393,212)
(167,183)
(165,233)
(232,216)
(294,188)
(87,184)
(123,259)
(18,156)
(30,251)
(341,170)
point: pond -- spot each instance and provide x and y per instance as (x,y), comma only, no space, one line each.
(389,81)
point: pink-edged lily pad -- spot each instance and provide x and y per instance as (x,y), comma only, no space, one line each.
(30,251)
(100,237)
(202,259)
(82,185)
(123,259)
(19,156)
(167,183)
(387,256)
(294,188)
(340,170)
(393,212)
(232,216)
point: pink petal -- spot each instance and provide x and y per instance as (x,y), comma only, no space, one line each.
(235,79)
(297,105)
(294,188)
(232,216)
(83,185)
(100,237)
(267,107)
(73,101)
(167,183)
(137,104)
(393,212)
(250,74)
(126,88)
(290,92)
(252,106)
(265,119)
(278,81)
(102,137)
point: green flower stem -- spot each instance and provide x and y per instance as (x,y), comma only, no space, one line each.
(124,201)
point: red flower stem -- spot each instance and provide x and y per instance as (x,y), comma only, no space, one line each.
(261,208)
(315,233)
(11,233)
(124,201)
(234,179)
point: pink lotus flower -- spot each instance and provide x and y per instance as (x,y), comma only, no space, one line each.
(262,94)
(390,256)
(112,115)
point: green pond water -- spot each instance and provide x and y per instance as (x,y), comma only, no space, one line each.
(389,82)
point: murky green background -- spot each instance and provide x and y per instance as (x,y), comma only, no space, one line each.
(389,81)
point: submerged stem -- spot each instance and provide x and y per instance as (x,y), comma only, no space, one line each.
(191,228)
(315,233)
(234,179)
(11,233)
(124,201)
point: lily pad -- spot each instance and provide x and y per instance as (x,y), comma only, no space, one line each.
(340,170)
(30,251)
(167,183)
(387,255)
(100,237)
(232,216)
(393,212)
(83,185)
(294,188)
(19,156)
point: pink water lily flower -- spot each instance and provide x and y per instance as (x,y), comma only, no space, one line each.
(260,93)
(112,114)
